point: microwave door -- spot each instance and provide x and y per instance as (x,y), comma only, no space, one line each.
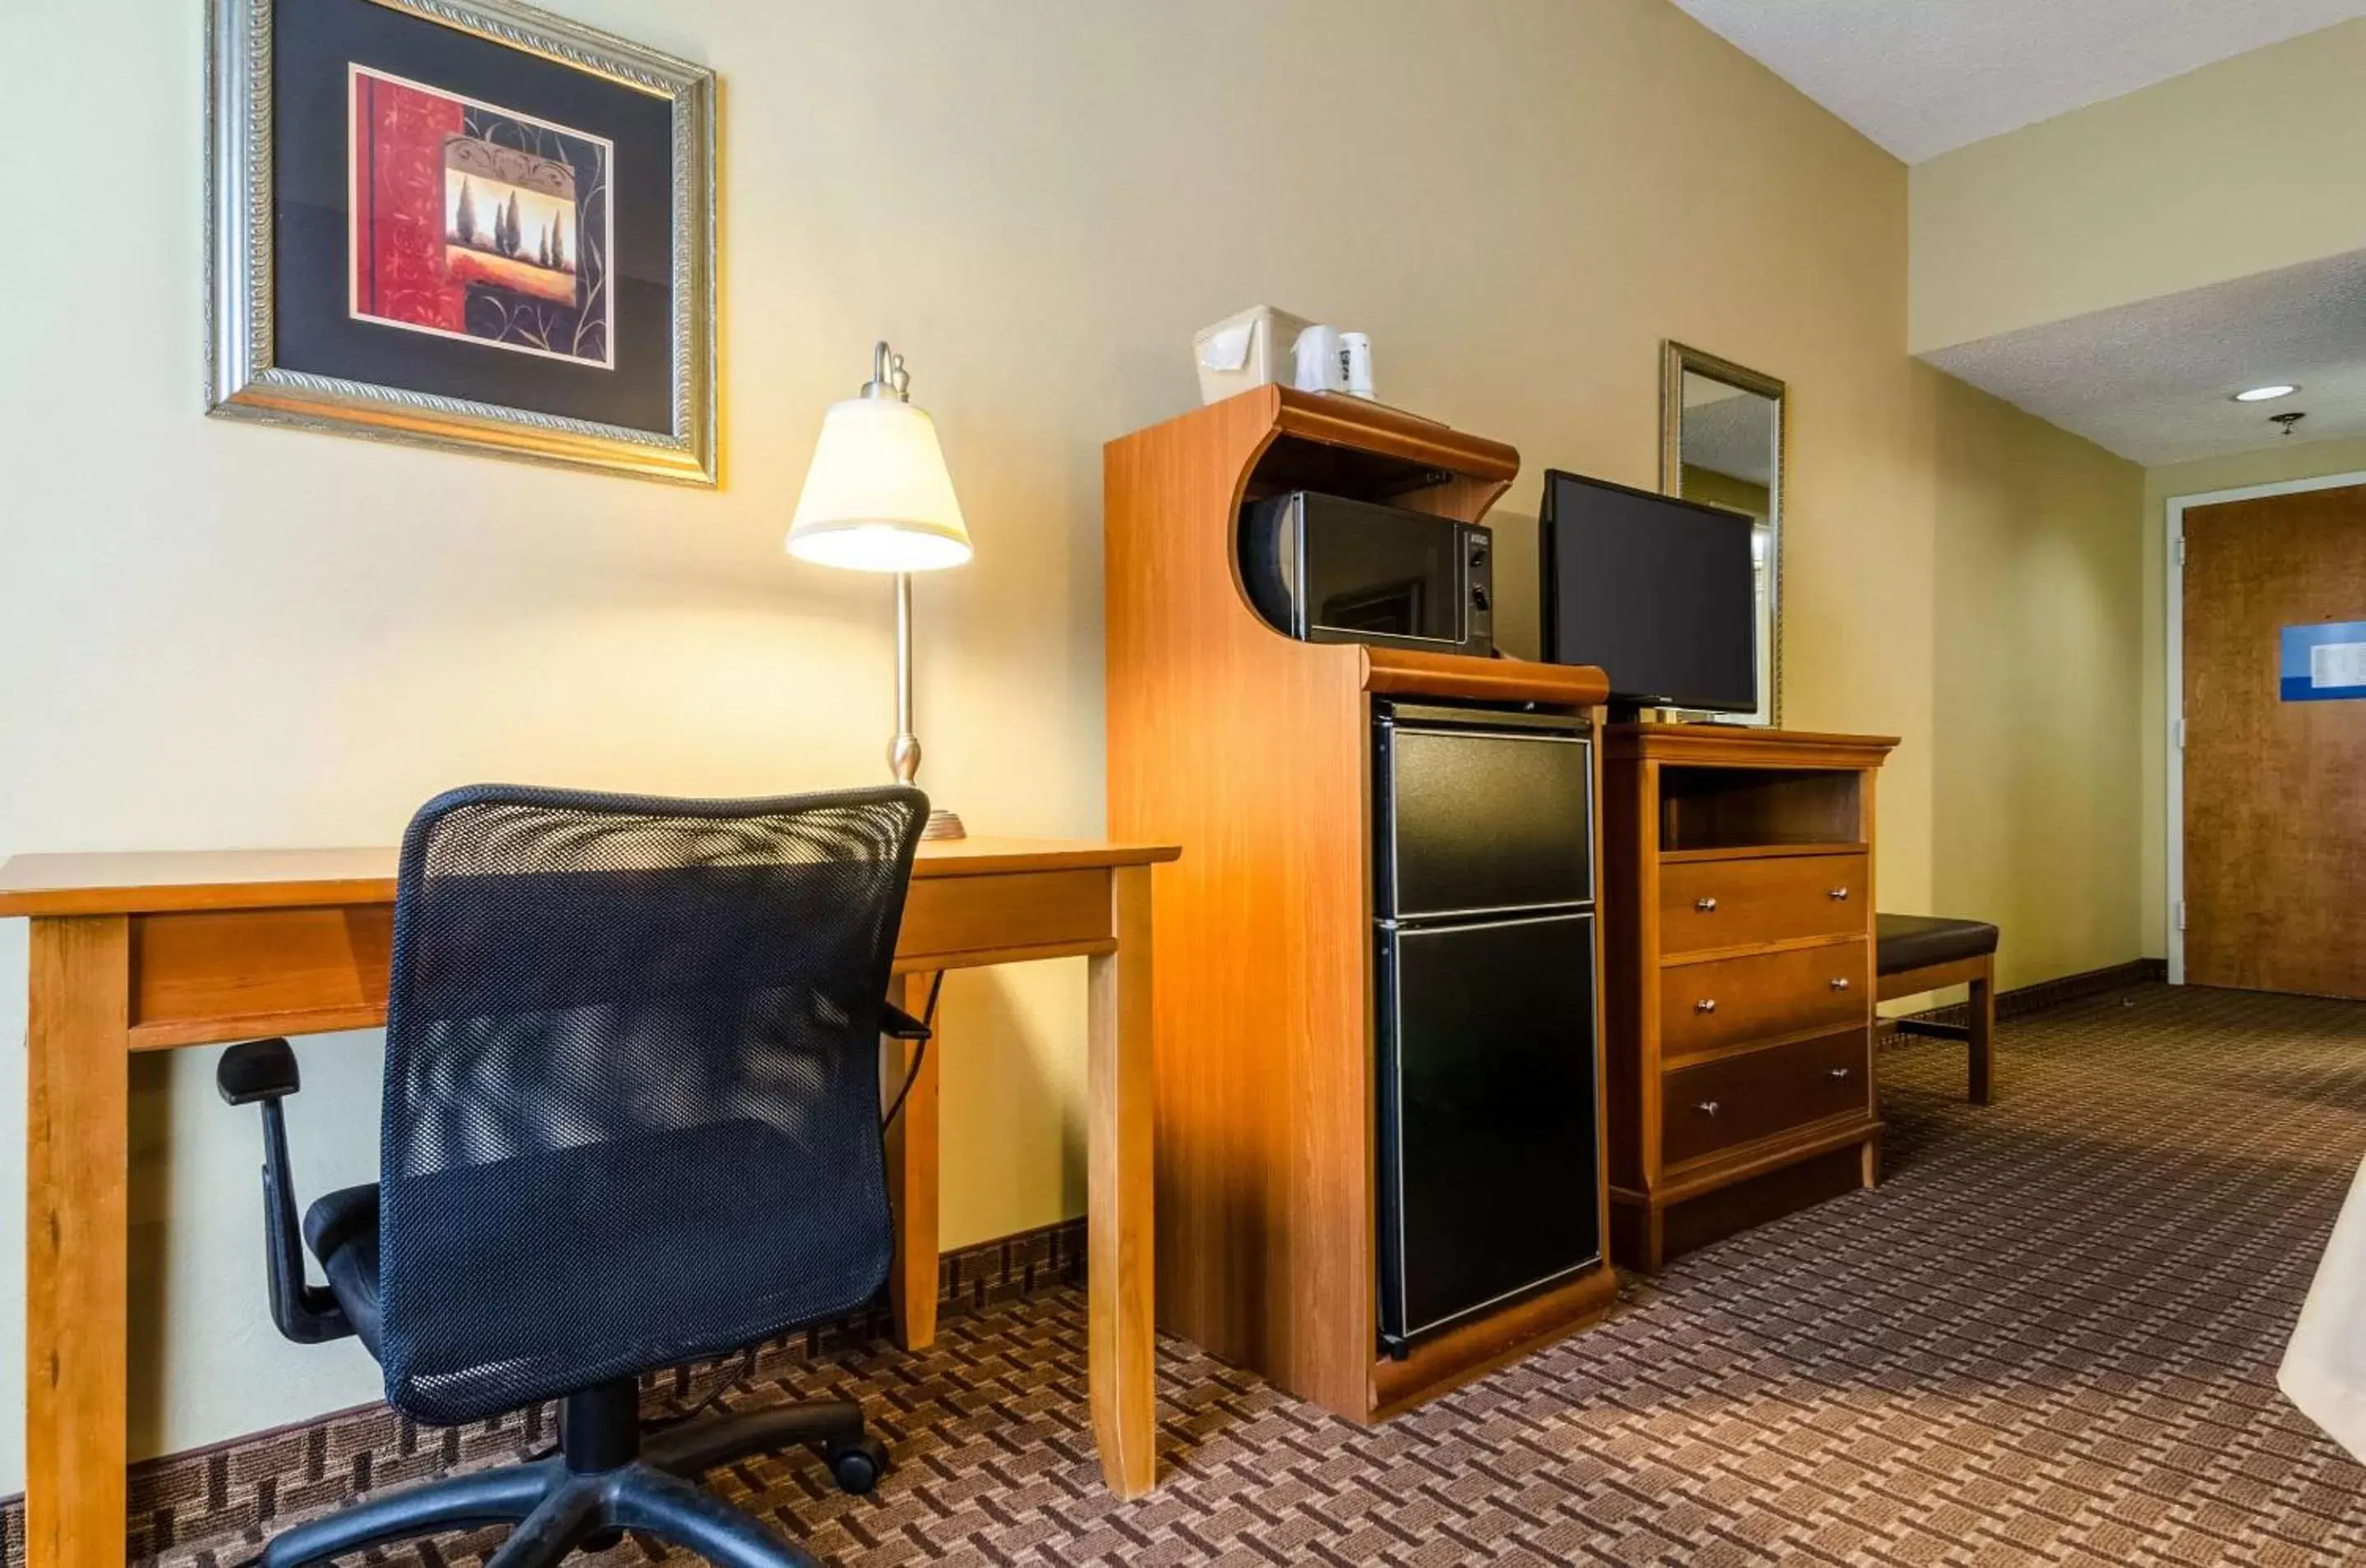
(1386,609)
(1371,572)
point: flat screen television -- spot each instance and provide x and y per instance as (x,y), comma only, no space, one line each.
(1661,593)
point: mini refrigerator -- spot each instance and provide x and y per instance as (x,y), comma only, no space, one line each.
(1483,889)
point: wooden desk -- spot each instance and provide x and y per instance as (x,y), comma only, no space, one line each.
(150,952)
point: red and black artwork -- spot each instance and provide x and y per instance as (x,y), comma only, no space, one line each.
(479,222)
(475,224)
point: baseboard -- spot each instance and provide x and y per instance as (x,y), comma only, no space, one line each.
(226,1489)
(2060,991)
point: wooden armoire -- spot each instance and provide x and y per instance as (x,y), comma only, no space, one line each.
(1255,751)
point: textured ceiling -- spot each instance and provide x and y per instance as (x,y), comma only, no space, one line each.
(1729,431)
(2151,381)
(1923,76)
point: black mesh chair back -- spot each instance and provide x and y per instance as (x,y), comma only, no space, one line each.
(632,1083)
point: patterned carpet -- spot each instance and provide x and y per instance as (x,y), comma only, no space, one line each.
(2050,1337)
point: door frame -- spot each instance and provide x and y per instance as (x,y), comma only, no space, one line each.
(2173,705)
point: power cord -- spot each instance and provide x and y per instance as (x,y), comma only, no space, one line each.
(928,1018)
(737,1379)
(747,1367)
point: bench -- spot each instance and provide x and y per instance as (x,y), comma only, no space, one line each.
(1924,953)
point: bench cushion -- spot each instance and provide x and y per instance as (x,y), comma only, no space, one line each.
(1918,942)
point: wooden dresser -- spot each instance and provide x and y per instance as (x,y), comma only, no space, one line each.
(1739,928)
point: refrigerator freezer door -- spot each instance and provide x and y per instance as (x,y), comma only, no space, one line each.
(1483,821)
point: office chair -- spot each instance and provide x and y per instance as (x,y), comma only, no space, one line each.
(631,1119)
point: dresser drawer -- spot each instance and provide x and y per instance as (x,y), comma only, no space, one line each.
(1728,1000)
(1759,1093)
(1736,903)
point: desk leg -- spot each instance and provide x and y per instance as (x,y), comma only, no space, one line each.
(912,1178)
(1119,1261)
(77,1240)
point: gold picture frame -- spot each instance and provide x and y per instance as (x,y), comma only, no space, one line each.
(247,378)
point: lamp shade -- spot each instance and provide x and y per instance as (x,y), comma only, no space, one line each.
(877,497)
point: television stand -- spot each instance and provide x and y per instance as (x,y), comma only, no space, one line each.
(1738,921)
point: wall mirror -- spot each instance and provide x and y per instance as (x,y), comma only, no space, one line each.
(1722,442)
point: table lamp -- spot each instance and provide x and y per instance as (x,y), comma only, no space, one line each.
(877,498)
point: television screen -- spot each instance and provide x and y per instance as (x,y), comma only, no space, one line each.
(1660,592)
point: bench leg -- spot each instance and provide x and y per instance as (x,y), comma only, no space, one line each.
(1983,1031)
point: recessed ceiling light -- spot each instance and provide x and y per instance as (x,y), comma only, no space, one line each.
(2265,394)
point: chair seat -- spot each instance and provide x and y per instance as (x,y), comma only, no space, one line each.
(686,1200)
(1918,941)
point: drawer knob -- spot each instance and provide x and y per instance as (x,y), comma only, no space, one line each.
(1840,983)
(1707,1004)
(1707,1108)
(1705,905)
(1841,894)
(1840,1072)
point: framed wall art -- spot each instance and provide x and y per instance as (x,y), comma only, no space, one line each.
(463,223)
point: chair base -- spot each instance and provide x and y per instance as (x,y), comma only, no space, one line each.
(598,1485)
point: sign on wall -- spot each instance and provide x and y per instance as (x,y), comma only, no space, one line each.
(2324,662)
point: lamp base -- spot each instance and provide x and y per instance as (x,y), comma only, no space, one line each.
(944,825)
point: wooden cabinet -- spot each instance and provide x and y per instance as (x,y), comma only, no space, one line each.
(1255,752)
(1738,918)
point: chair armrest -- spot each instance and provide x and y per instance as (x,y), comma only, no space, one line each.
(897,1024)
(256,1070)
(264,1072)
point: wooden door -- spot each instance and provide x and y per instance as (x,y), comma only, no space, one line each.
(2275,790)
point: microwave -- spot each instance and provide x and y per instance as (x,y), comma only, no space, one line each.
(1324,569)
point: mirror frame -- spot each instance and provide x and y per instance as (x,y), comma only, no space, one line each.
(1675,359)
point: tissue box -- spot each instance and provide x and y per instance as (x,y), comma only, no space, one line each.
(1244,351)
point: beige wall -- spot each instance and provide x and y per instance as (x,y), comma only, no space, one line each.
(215,635)
(2237,168)
(2243,166)
(2285,461)
(2038,684)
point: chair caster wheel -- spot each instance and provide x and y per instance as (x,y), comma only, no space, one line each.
(857,1465)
